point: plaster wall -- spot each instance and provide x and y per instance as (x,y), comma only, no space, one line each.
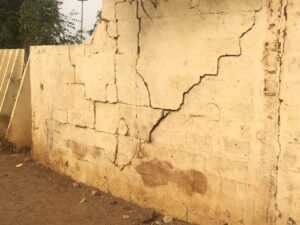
(179,106)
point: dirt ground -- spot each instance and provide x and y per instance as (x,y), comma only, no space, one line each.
(33,195)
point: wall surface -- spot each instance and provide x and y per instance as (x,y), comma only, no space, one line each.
(189,107)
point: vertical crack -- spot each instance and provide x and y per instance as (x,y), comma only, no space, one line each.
(164,115)
(283,17)
(139,18)
(71,63)
(115,160)
(116,38)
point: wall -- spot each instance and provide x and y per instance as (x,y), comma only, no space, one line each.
(178,105)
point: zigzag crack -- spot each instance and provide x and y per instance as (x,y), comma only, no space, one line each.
(202,77)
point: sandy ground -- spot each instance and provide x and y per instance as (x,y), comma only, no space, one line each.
(33,195)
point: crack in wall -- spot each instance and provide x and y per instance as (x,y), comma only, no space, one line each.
(193,4)
(116,153)
(280,38)
(115,37)
(282,33)
(202,77)
(71,63)
(139,18)
(94,102)
(97,131)
(134,156)
(59,123)
(164,115)
(117,135)
(117,45)
(169,111)
(273,62)
(164,112)
(123,166)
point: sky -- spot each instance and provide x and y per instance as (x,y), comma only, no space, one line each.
(91,7)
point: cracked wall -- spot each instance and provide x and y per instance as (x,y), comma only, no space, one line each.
(174,105)
(288,196)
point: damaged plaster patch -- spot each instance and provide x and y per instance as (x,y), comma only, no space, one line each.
(190,181)
(82,152)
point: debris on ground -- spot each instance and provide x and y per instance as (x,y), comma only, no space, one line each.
(167,219)
(95,193)
(19,165)
(75,185)
(83,200)
(125,217)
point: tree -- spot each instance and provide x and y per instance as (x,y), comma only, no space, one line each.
(42,24)
(34,22)
(9,29)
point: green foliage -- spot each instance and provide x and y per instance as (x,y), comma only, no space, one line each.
(9,29)
(41,23)
(34,22)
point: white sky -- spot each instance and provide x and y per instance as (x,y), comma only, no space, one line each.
(91,8)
